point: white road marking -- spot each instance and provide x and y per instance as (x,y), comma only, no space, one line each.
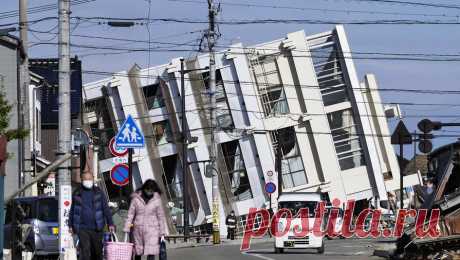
(257,255)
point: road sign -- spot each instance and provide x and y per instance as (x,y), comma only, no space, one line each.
(119,175)
(270,187)
(119,160)
(130,135)
(401,135)
(115,150)
(270,173)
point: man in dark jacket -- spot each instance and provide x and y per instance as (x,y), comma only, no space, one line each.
(231,225)
(89,214)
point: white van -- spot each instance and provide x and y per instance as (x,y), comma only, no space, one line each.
(295,201)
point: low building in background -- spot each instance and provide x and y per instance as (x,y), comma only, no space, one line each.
(300,92)
(11,57)
(47,118)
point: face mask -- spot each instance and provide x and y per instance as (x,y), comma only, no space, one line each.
(148,194)
(429,190)
(87,184)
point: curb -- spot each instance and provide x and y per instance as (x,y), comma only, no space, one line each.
(208,244)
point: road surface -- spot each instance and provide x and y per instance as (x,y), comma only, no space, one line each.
(335,249)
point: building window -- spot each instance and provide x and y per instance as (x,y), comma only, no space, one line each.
(270,87)
(236,170)
(101,124)
(292,168)
(346,139)
(172,179)
(329,74)
(38,122)
(223,114)
(224,117)
(153,96)
(162,132)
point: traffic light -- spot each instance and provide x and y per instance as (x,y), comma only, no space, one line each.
(426,126)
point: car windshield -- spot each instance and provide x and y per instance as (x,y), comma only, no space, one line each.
(48,210)
(294,206)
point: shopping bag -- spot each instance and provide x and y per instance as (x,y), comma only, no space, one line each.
(162,255)
(116,250)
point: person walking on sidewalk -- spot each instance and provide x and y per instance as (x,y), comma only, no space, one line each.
(88,216)
(146,220)
(231,225)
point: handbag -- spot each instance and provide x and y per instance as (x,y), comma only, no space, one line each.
(115,250)
(162,255)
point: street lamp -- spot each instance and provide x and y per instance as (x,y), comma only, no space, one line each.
(184,146)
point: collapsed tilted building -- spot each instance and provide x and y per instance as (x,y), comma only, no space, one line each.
(299,92)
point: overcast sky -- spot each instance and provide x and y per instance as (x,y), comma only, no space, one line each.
(408,74)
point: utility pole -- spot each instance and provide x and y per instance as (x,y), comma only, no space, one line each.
(213,150)
(184,152)
(25,154)
(64,141)
(278,165)
(185,141)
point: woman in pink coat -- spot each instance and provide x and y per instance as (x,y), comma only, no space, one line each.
(146,220)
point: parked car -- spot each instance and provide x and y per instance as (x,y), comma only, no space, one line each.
(42,214)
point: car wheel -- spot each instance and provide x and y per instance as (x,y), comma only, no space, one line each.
(321,249)
(279,250)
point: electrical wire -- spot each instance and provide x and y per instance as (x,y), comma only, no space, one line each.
(422,4)
(258,48)
(244,131)
(40,9)
(356,57)
(281,21)
(323,10)
(252,83)
(104,20)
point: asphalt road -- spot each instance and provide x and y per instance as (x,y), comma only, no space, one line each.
(355,249)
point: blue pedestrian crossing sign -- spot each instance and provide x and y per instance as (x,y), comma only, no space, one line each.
(129,135)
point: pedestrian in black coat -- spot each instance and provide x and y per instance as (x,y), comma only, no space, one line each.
(231,225)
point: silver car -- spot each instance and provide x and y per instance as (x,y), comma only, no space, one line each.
(42,214)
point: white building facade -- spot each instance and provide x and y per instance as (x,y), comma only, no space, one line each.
(300,92)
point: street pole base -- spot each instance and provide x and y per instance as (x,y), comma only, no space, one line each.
(216,237)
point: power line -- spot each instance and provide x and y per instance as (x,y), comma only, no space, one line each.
(279,115)
(262,48)
(345,11)
(103,20)
(252,83)
(40,9)
(423,4)
(283,21)
(455,58)
(258,131)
